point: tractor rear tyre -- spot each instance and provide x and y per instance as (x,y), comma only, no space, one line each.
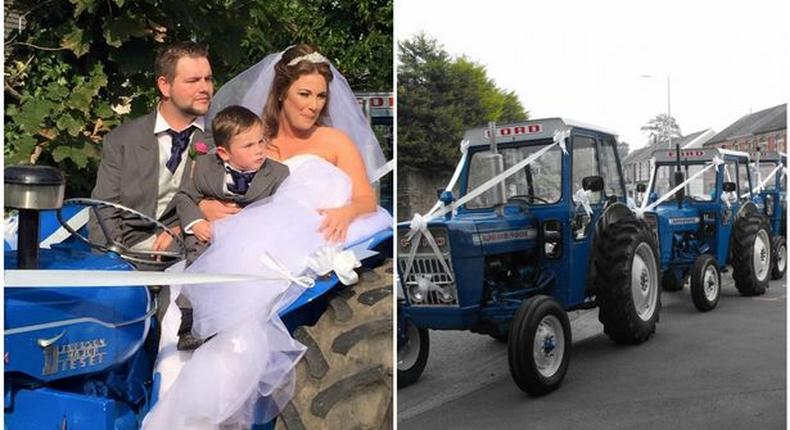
(345,377)
(751,254)
(412,355)
(705,282)
(780,258)
(627,280)
(539,345)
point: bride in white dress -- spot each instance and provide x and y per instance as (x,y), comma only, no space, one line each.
(244,373)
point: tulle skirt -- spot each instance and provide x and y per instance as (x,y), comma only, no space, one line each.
(244,374)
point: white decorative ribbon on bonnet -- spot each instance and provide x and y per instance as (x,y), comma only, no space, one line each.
(285,275)
(419,223)
(331,259)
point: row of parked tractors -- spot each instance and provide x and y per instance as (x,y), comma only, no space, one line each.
(557,234)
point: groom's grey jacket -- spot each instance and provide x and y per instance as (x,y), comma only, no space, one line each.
(129,175)
(207,181)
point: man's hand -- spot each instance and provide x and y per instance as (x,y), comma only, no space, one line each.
(202,230)
(216,209)
(163,239)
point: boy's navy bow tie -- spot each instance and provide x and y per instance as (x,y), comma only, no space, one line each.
(241,180)
(180,141)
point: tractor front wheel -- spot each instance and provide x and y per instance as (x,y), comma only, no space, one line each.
(627,280)
(539,345)
(705,282)
(780,258)
(751,255)
(345,377)
(412,354)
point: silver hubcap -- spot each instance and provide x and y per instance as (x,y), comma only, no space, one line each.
(781,258)
(408,353)
(644,282)
(549,346)
(761,257)
(710,283)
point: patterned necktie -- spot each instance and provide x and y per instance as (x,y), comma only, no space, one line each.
(241,180)
(180,141)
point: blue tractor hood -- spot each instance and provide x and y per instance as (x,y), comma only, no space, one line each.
(676,220)
(56,333)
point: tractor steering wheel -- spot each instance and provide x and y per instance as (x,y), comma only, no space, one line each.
(154,258)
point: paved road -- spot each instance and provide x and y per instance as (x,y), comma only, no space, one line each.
(721,369)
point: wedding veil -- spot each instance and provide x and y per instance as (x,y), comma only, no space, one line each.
(251,88)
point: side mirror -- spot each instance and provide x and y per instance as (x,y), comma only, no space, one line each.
(729,187)
(446,197)
(641,188)
(592,183)
(439,192)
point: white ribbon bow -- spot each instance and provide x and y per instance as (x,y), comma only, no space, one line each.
(330,259)
(275,266)
(582,198)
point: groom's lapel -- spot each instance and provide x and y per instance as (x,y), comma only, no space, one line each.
(145,155)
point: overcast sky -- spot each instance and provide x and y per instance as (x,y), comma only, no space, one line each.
(584,59)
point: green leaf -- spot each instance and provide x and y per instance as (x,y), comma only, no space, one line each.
(120,3)
(31,114)
(103,110)
(77,41)
(76,155)
(56,92)
(82,6)
(122,29)
(72,125)
(23,146)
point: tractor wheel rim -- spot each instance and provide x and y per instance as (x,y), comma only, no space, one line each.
(548,346)
(644,281)
(781,257)
(761,257)
(710,283)
(408,353)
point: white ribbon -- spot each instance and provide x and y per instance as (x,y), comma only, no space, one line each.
(640,212)
(285,275)
(764,182)
(104,278)
(582,198)
(75,222)
(383,170)
(330,259)
(419,223)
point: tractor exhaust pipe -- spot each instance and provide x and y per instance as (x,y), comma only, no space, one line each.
(31,189)
(680,194)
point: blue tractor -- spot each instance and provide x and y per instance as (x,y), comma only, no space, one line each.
(509,260)
(82,357)
(706,222)
(771,199)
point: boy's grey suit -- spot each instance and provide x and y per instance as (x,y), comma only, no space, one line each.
(207,181)
(129,175)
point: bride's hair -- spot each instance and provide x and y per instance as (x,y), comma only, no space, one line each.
(285,74)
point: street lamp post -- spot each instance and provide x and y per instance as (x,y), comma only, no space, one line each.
(669,111)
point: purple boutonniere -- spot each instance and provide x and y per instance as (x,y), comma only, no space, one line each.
(198,148)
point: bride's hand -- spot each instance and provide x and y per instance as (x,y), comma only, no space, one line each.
(336,222)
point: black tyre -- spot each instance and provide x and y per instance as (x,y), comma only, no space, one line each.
(780,258)
(345,378)
(751,254)
(705,282)
(670,281)
(499,337)
(412,355)
(539,345)
(627,280)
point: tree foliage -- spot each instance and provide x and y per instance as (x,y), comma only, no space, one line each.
(660,128)
(438,98)
(78,68)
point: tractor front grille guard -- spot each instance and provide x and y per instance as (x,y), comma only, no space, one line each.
(428,283)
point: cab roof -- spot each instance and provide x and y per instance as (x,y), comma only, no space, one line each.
(696,154)
(534,129)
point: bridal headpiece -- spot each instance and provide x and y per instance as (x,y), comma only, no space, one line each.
(313,57)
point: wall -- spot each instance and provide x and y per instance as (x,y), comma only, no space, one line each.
(417,190)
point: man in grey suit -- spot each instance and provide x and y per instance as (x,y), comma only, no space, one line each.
(144,160)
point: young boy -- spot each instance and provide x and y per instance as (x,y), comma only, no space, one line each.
(239,172)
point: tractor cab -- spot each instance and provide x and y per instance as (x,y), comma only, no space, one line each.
(770,196)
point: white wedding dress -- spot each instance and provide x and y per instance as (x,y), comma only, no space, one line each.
(244,374)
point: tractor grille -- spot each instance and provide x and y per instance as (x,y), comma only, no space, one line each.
(428,283)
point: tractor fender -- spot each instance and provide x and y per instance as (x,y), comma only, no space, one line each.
(614,213)
(748,208)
